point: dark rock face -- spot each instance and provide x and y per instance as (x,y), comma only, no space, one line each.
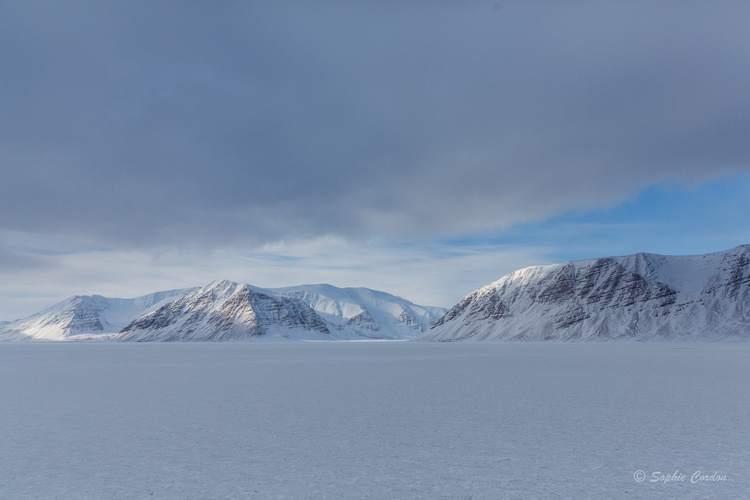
(361,313)
(642,297)
(603,284)
(408,320)
(365,321)
(739,277)
(223,311)
(74,316)
(84,318)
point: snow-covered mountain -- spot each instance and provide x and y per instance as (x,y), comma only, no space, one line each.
(635,297)
(224,311)
(229,311)
(85,317)
(364,313)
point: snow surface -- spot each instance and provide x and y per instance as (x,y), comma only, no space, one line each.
(372,420)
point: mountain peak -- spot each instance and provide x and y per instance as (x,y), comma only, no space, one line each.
(223,311)
(85,317)
(634,297)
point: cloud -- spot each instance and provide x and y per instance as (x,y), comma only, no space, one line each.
(140,126)
(435,275)
(13,261)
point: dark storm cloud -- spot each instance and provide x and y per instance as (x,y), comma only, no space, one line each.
(151,123)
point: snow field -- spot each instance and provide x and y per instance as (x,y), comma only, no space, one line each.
(372,420)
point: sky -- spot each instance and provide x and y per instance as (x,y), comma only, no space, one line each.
(420,148)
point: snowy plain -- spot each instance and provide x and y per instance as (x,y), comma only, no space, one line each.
(95,420)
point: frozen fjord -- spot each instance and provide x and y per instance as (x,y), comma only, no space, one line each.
(372,420)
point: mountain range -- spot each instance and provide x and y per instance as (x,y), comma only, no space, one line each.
(641,297)
(223,311)
(86,317)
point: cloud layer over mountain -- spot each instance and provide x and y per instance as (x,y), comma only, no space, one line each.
(223,123)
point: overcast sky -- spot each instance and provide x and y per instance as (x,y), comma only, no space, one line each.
(421,148)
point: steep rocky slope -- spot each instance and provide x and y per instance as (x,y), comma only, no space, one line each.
(227,311)
(230,311)
(365,313)
(635,297)
(85,317)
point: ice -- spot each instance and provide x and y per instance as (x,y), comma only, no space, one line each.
(372,420)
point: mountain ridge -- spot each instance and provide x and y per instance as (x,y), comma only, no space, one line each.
(225,311)
(346,313)
(85,317)
(642,297)
(365,312)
